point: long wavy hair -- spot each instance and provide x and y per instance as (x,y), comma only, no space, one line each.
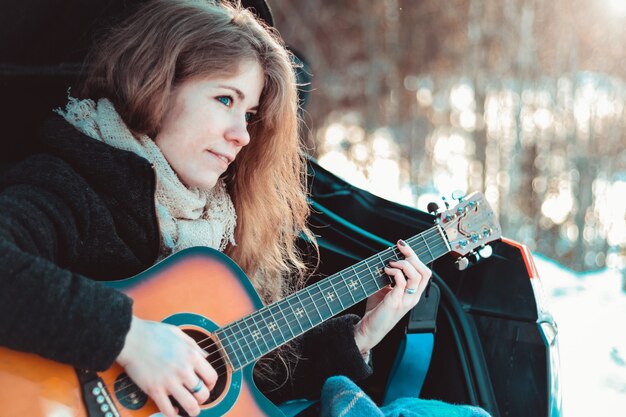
(137,63)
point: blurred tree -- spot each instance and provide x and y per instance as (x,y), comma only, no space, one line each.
(522,99)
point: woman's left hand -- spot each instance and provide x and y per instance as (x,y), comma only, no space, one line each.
(386,307)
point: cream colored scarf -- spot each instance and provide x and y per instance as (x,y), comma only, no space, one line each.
(187,216)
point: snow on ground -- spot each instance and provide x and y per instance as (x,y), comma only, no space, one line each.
(590,310)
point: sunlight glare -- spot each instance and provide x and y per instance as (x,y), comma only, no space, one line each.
(462,97)
(340,165)
(429,197)
(557,207)
(335,133)
(543,118)
(612,206)
(383,144)
(360,152)
(424,97)
(384,178)
(617,6)
(467,120)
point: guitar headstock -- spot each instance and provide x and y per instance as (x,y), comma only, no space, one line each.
(470,225)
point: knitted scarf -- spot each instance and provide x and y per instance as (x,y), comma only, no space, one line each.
(187,216)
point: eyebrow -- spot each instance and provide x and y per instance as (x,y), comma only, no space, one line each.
(239,93)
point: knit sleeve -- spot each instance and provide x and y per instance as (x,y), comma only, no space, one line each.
(45,308)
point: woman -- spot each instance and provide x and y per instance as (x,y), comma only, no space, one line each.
(185,135)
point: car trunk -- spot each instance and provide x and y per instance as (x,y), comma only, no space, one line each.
(490,348)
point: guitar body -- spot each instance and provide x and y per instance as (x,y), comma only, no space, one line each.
(198,289)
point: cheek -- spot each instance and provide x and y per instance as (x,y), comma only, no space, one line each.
(183,155)
(176,135)
(178,121)
(173,149)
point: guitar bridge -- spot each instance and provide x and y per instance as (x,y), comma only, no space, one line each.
(97,400)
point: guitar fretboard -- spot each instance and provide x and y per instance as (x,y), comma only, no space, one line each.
(249,338)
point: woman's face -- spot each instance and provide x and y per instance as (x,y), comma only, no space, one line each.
(206,124)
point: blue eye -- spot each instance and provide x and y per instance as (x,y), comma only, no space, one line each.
(249,116)
(225,100)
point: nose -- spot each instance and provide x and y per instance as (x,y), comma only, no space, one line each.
(238,131)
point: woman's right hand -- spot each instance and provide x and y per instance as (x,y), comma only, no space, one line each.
(164,361)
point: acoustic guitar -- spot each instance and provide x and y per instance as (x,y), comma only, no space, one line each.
(233,326)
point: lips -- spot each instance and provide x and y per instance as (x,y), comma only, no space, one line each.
(225,158)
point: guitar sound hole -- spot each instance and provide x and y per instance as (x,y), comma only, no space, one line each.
(215,359)
(131,397)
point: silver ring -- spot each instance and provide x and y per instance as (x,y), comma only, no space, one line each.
(410,290)
(198,386)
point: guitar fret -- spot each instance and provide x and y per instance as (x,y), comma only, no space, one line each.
(231,353)
(242,349)
(263,321)
(282,307)
(319,313)
(333,296)
(365,294)
(337,293)
(271,326)
(295,316)
(375,285)
(387,278)
(250,340)
(369,269)
(303,308)
(428,248)
(443,238)
(321,291)
(280,326)
(264,331)
(382,261)
(330,295)
(346,285)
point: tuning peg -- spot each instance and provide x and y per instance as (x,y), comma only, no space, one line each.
(461,263)
(445,202)
(458,195)
(485,251)
(432,208)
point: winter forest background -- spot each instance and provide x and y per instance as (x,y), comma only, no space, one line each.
(521,99)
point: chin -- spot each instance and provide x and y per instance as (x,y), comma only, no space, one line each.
(202,183)
(207,185)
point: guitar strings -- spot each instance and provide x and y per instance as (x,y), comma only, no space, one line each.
(221,351)
(328,283)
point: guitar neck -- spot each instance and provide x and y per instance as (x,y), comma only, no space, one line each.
(249,338)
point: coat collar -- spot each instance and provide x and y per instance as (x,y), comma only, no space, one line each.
(125,181)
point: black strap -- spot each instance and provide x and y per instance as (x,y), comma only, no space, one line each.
(423,318)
